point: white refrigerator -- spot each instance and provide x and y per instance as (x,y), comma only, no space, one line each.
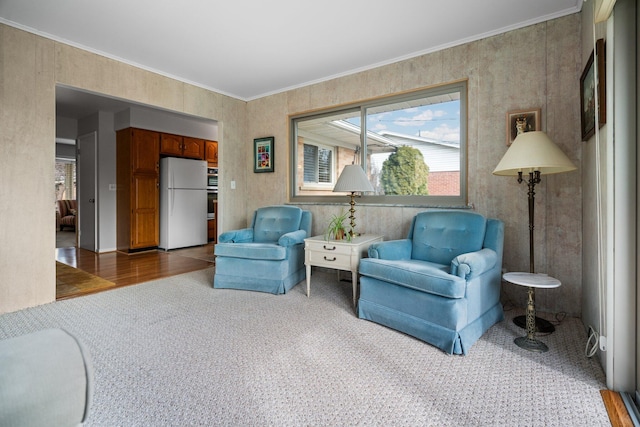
(183,203)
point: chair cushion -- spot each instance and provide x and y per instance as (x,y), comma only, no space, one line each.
(252,251)
(271,222)
(440,236)
(423,276)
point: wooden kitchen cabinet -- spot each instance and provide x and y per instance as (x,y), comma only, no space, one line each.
(211,153)
(137,178)
(181,146)
(143,151)
(212,230)
(171,145)
(193,148)
(145,219)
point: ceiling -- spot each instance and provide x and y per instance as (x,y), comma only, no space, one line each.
(248,49)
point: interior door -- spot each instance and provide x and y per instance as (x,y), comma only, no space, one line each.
(87,172)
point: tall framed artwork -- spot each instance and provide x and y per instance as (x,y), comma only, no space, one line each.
(263,154)
(588,88)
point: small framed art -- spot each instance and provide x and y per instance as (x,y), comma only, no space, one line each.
(521,121)
(588,89)
(263,154)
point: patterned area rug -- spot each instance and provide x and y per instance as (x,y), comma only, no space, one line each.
(73,282)
(177,352)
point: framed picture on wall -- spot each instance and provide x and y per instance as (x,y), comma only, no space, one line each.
(522,121)
(263,154)
(588,87)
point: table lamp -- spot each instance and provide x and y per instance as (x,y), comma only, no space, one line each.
(535,154)
(351,180)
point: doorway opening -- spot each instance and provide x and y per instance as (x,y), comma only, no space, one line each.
(65,188)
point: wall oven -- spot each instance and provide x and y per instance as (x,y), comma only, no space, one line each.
(212,192)
(212,179)
(212,201)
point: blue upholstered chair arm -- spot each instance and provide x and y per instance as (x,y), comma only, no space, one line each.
(292,238)
(244,235)
(391,249)
(473,264)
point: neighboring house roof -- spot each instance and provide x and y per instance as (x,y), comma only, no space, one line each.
(343,134)
(439,156)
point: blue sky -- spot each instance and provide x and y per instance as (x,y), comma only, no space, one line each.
(437,121)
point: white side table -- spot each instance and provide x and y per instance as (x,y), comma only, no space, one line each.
(339,254)
(532,281)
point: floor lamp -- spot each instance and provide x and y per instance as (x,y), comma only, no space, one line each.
(353,179)
(533,153)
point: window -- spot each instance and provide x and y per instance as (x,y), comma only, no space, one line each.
(65,179)
(318,165)
(412,147)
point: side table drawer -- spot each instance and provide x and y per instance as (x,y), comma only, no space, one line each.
(330,260)
(329,248)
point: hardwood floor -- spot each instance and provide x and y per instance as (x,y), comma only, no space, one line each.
(618,414)
(130,269)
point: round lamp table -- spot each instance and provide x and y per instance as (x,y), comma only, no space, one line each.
(532,281)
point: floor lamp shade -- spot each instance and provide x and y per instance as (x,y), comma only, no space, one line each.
(533,151)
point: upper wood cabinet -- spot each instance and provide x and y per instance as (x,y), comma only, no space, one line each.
(193,148)
(171,145)
(181,146)
(143,150)
(211,152)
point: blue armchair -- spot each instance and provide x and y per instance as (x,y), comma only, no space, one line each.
(266,257)
(441,284)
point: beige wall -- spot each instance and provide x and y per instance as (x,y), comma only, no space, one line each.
(538,66)
(31,66)
(27,150)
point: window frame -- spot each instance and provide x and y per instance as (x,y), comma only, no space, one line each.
(460,200)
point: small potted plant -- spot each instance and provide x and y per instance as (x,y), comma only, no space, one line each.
(336,229)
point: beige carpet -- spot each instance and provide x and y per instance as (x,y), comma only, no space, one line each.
(73,282)
(176,352)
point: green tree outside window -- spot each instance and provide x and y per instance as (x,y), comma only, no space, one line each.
(405,173)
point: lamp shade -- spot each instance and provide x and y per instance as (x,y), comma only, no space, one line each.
(353,179)
(533,151)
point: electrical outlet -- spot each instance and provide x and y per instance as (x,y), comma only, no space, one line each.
(233,185)
(603,343)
